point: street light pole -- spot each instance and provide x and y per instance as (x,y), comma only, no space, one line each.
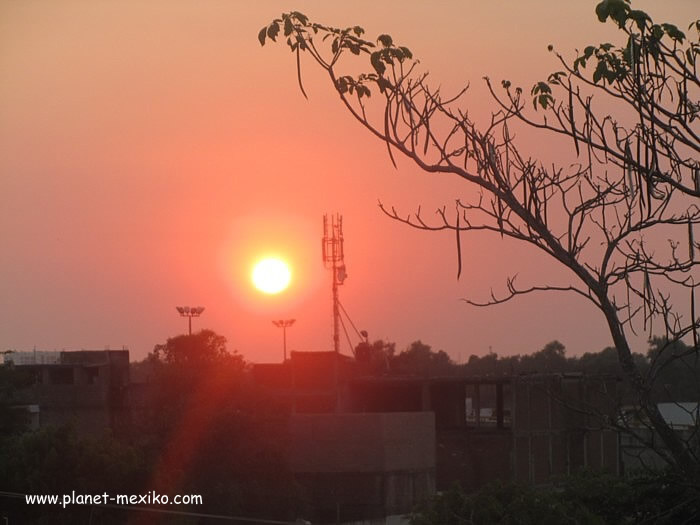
(284,324)
(190,312)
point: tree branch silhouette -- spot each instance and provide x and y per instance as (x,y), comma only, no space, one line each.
(605,218)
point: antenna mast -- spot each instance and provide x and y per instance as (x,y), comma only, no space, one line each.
(333,259)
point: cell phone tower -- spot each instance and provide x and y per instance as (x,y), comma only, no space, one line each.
(333,259)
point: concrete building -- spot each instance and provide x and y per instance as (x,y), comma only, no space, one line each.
(86,388)
(529,428)
(470,430)
(357,466)
(363,467)
(36,357)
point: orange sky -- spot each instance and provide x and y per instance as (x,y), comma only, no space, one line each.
(150,151)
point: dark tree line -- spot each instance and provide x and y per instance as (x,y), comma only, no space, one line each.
(678,371)
(585,498)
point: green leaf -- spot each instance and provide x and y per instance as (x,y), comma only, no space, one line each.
(385,40)
(540,87)
(376,61)
(383,84)
(610,76)
(358,30)
(261,35)
(303,19)
(288,26)
(673,32)
(555,78)
(616,9)
(639,17)
(600,70)
(602,10)
(273,30)
(406,52)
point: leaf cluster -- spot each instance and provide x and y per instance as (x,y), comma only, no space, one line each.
(299,32)
(301,35)
(503,503)
(612,64)
(56,460)
(584,498)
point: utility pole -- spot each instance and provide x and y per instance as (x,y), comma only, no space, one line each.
(334,260)
(284,324)
(190,312)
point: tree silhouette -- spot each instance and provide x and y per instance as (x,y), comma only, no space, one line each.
(633,184)
(420,359)
(210,430)
(202,348)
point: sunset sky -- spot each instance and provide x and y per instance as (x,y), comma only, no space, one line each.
(151,152)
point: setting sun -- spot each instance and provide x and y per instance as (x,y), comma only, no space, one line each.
(271,275)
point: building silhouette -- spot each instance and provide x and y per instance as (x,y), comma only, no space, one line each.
(440,430)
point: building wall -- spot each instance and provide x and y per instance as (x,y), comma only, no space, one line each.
(530,429)
(472,457)
(555,431)
(86,389)
(363,466)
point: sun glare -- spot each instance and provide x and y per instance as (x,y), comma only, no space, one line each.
(271,276)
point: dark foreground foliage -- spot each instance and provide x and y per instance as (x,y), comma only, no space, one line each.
(199,428)
(587,498)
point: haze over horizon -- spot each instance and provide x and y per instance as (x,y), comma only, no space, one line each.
(151,153)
